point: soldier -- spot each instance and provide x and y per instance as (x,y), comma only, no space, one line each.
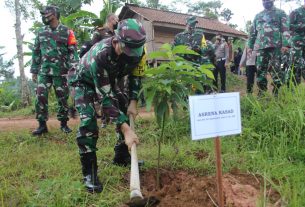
(270,36)
(101,33)
(297,25)
(195,40)
(98,68)
(54,53)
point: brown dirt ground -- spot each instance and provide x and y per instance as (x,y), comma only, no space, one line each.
(30,123)
(184,189)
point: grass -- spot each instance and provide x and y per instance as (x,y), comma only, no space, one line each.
(46,171)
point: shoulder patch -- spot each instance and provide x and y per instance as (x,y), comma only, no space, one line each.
(71,38)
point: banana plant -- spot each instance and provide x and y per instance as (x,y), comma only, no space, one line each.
(169,85)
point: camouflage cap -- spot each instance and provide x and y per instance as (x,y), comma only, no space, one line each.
(191,21)
(49,10)
(132,36)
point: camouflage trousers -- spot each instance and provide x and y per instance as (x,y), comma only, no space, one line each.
(87,135)
(61,89)
(269,60)
(298,63)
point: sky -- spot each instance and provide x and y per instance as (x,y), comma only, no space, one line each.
(243,11)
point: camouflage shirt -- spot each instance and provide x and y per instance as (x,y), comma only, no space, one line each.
(297,26)
(270,30)
(100,34)
(195,40)
(54,51)
(100,68)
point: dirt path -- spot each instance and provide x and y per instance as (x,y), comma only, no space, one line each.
(30,123)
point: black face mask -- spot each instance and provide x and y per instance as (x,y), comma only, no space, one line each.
(45,19)
(268,4)
(115,26)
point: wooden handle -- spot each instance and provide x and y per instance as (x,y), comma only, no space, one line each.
(135,190)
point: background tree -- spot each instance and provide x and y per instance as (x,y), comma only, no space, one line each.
(6,69)
(226,14)
(68,7)
(155,4)
(21,10)
(210,9)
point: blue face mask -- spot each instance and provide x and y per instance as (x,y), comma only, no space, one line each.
(268,4)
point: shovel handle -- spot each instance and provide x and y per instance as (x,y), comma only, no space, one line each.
(135,190)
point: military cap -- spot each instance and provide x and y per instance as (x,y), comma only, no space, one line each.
(50,10)
(131,34)
(191,21)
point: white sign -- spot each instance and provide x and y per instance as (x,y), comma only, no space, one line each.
(215,115)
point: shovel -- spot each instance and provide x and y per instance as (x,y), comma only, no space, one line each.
(136,197)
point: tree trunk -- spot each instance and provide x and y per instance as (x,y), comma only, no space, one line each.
(25,94)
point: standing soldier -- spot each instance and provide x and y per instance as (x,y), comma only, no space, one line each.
(102,64)
(297,28)
(54,53)
(195,40)
(270,36)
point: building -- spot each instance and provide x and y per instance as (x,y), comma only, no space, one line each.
(162,26)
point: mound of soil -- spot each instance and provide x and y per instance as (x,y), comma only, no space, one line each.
(184,189)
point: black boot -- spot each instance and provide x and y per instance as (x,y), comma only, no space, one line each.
(89,169)
(121,156)
(42,129)
(64,127)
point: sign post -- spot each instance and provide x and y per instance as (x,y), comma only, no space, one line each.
(219,172)
(213,116)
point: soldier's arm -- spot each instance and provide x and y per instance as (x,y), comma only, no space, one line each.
(96,37)
(135,79)
(294,24)
(285,30)
(72,56)
(252,34)
(36,56)
(103,89)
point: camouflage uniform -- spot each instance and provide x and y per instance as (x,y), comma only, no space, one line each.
(97,76)
(54,54)
(195,40)
(269,34)
(297,28)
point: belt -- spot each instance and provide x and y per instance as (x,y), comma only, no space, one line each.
(221,59)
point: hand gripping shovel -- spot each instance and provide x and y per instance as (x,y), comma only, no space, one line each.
(136,197)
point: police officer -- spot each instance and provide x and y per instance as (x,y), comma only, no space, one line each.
(270,36)
(297,25)
(54,53)
(102,64)
(222,62)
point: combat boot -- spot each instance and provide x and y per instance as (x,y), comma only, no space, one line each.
(42,129)
(64,127)
(121,156)
(89,170)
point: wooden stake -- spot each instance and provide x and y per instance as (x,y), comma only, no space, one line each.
(219,172)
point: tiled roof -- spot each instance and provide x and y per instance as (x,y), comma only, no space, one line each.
(160,16)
